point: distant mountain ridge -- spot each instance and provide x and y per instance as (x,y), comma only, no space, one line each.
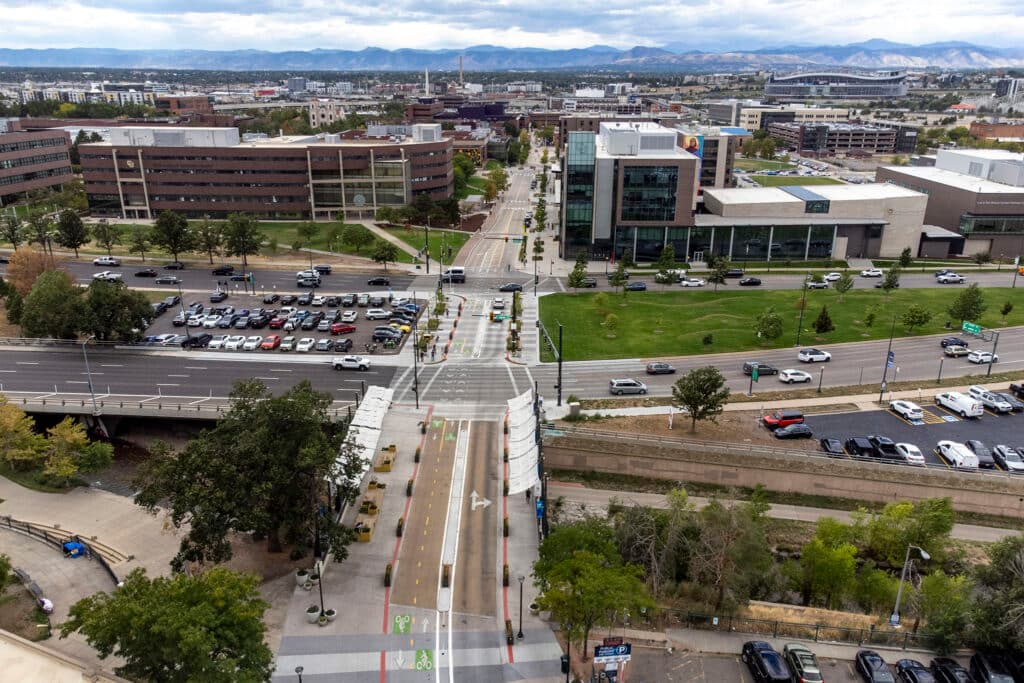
(871,54)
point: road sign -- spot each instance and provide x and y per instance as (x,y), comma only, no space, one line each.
(540,508)
(971,328)
(612,653)
(890,362)
(753,373)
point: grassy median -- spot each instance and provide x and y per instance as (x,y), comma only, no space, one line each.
(656,323)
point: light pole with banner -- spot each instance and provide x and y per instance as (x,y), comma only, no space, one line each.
(88,374)
(894,618)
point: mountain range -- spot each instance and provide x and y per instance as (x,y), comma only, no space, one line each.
(871,54)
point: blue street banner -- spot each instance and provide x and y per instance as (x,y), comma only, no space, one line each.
(891,362)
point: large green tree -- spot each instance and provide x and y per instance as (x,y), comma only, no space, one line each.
(702,393)
(945,606)
(209,238)
(171,231)
(768,324)
(827,571)
(242,237)
(207,627)
(260,470)
(969,304)
(138,240)
(20,446)
(114,312)
(69,452)
(11,230)
(53,309)
(592,534)
(385,252)
(927,524)
(357,236)
(730,555)
(999,597)
(71,231)
(107,234)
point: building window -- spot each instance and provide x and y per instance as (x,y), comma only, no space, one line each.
(649,193)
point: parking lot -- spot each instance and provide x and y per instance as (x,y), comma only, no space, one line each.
(939,424)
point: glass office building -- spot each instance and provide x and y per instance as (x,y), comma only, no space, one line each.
(578,195)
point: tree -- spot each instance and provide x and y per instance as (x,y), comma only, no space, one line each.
(887,534)
(618,277)
(263,465)
(11,230)
(905,258)
(768,148)
(702,393)
(823,323)
(591,534)
(209,238)
(40,227)
(915,316)
(114,312)
(969,304)
(499,176)
(998,615)
(357,236)
(307,232)
(22,449)
(171,232)
(891,280)
(138,240)
(843,285)
(333,235)
(242,237)
(179,628)
(69,451)
(490,191)
(385,252)
(1005,310)
(768,324)
(106,234)
(718,270)
(611,324)
(729,555)
(71,231)
(25,266)
(53,309)
(578,275)
(945,605)
(627,259)
(666,262)
(828,571)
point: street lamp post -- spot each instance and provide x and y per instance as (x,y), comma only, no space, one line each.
(894,618)
(88,374)
(520,634)
(803,305)
(298,672)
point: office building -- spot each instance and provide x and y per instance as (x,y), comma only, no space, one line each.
(831,139)
(630,186)
(717,147)
(727,112)
(836,85)
(977,194)
(759,118)
(212,172)
(184,104)
(1009,87)
(1003,132)
(326,112)
(31,160)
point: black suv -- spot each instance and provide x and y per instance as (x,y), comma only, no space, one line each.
(948,670)
(765,664)
(223,270)
(860,447)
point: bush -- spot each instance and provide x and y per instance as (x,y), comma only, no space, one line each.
(408,488)
(416,457)
(387,576)
(504,527)
(504,575)
(398,528)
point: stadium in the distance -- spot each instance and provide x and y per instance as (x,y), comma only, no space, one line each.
(837,85)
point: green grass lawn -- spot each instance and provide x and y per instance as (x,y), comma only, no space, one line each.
(778,180)
(762,165)
(673,323)
(414,238)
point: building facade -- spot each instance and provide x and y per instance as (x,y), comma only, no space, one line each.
(211,172)
(837,85)
(1006,132)
(717,147)
(184,104)
(31,160)
(835,138)
(759,118)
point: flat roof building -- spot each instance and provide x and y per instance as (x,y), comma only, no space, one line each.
(830,139)
(837,85)
(31,160)
(213,172)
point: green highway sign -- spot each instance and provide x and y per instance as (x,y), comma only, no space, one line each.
(971,328)
(754,373)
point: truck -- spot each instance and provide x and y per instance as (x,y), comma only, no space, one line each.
(350,363)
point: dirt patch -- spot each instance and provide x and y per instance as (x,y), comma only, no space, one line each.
(20,615)
(807,615)
(251,556)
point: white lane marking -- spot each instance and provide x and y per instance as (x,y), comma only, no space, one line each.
(167,385)
(194,367)
(27,362)
(268,378)
(177,375)
(110,365)
(8,370)
(76,381)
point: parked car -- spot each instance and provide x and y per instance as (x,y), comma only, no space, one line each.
(872,667)
(305,345)
(498,304)
(377,314)
(765,664)
(979,357)
(955,351)
(1008,458)
(1016,405)
(351,363)
(692,282)
(349,316)
(348,301)
(288,344)
(907,410)
(363,300)
(218,296)
(961,404)
(511,287)
(948,670)
(325,344)
(270,342)
(884,447)
(782,418)
(790,376)
(913,671)
(871,272)
(832,446)
(252,343)
(802,663)
(638,286)
(234,342)
(991,668)
(287,299)
(750,282)
(794,431)
(145,272)
(658,368)
(988,399)
(762,368)
(197,341)
(619,387)
(957,455)
(859,446)
(342,328)
(951,279)
(814,356)
(386,335)
(910,453)
(217,342)
(982,452)
(343,344)
(379,281)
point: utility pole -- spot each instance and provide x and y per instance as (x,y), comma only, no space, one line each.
(889,360)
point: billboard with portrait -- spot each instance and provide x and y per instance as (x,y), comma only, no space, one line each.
(694,144)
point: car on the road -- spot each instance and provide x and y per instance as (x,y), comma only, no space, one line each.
(692,282)
(982,452)
(305,345)
(638,286)
(910,453)
(948,670)
(782,418)
(174,265)
(618,387)
(957,455)
(270,342)
(167,280)
(943,271)
(812,284)
(241,277)
(802,663)
(762,368)
(734,272)
(871,272)
(978,356)
(252,343)
(913,671)
(955,351)
(951,279)
(859,447)
(234,342)
(992,401)
(908,410)
(953,341)
(218,296)
(107,276)
(146,272)
(813,356)
(588,282)
(831,445)
(961,404)
(750,282)
(498,304)
(287,344)
(872,667)
(379,281)
(351,363)
(223,270)
(349,316)
(884,448)
(197,341)
(790,376)
(659,368)
(794,431)
(322,268)
(1009,458)
(106,261)
(831,277)
(881,285)
(765,664)
(511,287)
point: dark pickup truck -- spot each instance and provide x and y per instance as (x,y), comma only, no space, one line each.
(1017,390)
(884,448)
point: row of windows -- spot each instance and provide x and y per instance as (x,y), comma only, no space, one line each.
(243,199)
(37,175)
(30,161)
(32,144)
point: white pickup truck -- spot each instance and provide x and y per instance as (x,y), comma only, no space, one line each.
(350,363)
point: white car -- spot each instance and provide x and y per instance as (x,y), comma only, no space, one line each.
(871,272)
(107,276)
(377,314)
(982,357)
(349,316)
(811,284)
(305,345)
(210,321)
(317,300)
(793,376)
(217,342)
(195,321)
(957,455)
(814,356)
(163,339)
(831,277)
(351,363)
(951,279)
(401,301)
(910,453)
(234,342)
(1008,458)
(252,343)
(907,410)
(106,261)
(498,304)
(692,282)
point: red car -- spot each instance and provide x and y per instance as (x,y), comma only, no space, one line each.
(782,418)
(270,342)
(276,322)
(342,328)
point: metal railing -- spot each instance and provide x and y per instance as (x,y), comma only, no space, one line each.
(65,343)
(55,537)
(33,588)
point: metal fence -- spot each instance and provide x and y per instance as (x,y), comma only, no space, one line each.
(57,538)
(33,588)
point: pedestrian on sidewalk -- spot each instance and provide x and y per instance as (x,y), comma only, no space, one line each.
(446,311)
(433,351)
(527,495)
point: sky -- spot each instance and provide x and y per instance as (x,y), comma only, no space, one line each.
(709,25)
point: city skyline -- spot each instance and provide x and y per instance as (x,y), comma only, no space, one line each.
(309,24)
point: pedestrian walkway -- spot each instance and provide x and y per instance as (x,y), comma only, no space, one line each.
(388,237)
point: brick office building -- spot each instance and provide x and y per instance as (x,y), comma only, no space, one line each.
(211,172)
(31,160)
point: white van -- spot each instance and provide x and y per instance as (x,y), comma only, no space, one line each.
(961,404)
(454,274)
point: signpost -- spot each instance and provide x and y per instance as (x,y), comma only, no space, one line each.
(971,328)
(604,654)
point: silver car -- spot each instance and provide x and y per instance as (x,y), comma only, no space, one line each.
(626,386)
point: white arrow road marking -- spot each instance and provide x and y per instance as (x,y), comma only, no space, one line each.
(477,501)
(426,625)
(400,659)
